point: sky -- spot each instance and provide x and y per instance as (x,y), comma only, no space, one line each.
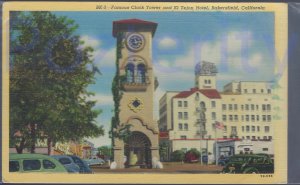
(241,45)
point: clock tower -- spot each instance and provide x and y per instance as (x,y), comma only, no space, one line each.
(134,46)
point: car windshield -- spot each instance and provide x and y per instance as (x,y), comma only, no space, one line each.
(65,160)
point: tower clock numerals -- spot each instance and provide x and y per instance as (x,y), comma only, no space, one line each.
(135,42)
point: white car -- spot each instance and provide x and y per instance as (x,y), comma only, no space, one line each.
(93,162)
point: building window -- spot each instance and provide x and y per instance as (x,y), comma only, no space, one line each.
(242,117)
(246,107)
(224,137)
(224,117)
(182,137)
(253,128)
(247,128)
(258,138)
(267,129)
(254,91)
(213,104)
(245,91)
(270,137)
(247,117)
(263,107)
(258,129)
(257,107)
(269,118)
(252,118)
(223,106)
(233,130)
(230,117)
(179,103)
(235,106)
(225,128)
(179,115)
(248,137)
(236,118)
(185,104)
(243,128)
(253,138)
(262,91)
(230,107)
(264,117)
(180,126)
(265,149)
(185,115)
(265,138)
(186,126)
(257,117)
(213,116)
(268,107)
(242,107)
(252,106)
(269,91)
(208,81)
(205,81)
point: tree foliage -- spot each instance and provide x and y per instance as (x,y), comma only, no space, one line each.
(177,155)
(50,71)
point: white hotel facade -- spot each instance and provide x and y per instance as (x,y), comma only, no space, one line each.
(244,109)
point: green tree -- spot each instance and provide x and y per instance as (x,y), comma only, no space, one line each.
(177,155)
(50,71)
(105,150)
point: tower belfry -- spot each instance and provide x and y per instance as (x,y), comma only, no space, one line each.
(134,41)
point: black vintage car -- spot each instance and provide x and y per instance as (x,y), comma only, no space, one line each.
(249,163)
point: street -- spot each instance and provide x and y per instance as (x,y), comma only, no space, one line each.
(169,167)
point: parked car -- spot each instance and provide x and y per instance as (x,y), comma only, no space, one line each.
(84,167)
(94,162)
(249,163)
(68,163)
(25,163)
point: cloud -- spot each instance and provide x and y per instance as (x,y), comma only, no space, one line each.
(167,43)
(105,57)
(102,99)
(90,41)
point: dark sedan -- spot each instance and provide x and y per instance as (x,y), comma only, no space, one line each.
(249,163)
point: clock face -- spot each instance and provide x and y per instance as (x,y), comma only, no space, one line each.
(135,42)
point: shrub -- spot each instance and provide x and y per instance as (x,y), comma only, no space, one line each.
(177,155)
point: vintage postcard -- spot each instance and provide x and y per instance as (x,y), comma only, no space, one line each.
(118,92)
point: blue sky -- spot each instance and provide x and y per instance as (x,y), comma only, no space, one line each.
(240,44)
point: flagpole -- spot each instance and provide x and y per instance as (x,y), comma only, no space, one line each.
(216,146)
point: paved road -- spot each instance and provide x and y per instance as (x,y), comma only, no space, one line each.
(195,168)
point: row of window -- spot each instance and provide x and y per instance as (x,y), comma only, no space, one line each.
(264,107)
(207,82)
(254,118)
(261,91)
(184,126)
(257,138)
(247,127)
(243,137)
(253,128)
(182,103)
(183,115)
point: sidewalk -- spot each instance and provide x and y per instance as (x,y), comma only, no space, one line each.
(169,167)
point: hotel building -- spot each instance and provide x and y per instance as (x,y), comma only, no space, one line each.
(237,119)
